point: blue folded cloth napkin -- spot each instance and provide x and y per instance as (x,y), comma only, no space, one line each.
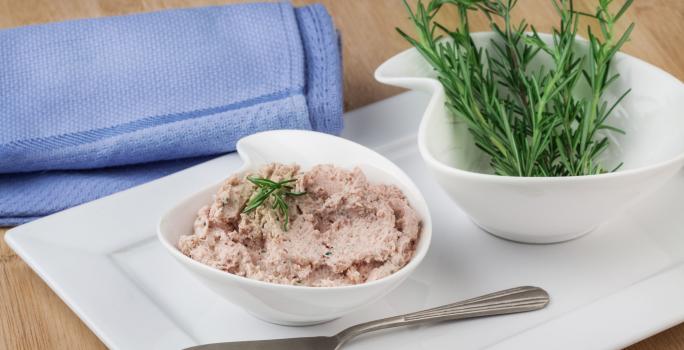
(91,107)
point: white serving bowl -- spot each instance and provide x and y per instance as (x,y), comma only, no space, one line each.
(286,304)
(546,210)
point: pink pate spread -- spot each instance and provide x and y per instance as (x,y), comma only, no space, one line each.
(343,231)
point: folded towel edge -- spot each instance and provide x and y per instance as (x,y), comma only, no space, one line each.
(323,58)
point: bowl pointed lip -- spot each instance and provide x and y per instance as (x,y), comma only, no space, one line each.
(425,237)
(438,91)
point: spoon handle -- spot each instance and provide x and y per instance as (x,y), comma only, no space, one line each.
(514,300)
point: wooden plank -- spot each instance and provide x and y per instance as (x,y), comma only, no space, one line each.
(33,317)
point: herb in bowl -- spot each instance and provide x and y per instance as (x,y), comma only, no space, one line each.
(527,120)
(277,191)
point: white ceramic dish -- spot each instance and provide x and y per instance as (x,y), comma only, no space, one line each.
(285,304)
(612,288)
(546,210)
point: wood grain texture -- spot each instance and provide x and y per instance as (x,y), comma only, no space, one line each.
(33,317)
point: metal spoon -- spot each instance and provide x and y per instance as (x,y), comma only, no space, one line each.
(520,299)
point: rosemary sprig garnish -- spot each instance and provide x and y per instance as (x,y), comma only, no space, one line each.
(528,121)
(277,191)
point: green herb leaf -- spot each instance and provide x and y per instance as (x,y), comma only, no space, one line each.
(530,123)
(277,191)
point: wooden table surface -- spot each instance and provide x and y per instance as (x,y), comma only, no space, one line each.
(33,317)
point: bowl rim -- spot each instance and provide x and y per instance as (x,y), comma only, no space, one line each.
(438,92)
(422,246)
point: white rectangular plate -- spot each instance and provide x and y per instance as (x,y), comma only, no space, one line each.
(609,289)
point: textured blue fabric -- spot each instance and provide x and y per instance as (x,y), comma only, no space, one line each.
(91,107)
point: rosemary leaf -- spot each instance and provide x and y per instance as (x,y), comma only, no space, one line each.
(277,191)
(530,123)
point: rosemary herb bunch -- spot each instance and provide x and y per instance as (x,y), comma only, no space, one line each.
(277,191)
(528,121)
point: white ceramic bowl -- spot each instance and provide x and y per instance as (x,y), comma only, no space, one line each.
(286,304)
(545,210)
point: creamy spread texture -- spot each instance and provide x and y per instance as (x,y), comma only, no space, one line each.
(343,231)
